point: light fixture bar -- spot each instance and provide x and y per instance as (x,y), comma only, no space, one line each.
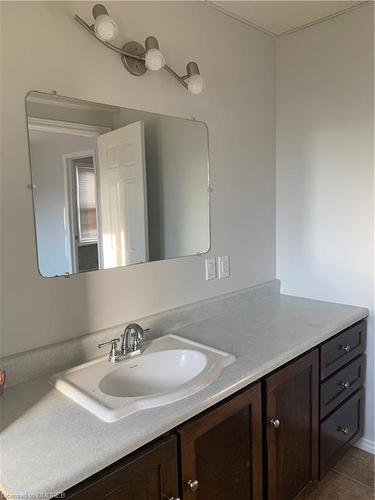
(150,42)
(180,79)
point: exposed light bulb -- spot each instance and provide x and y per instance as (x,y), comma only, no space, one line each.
(105,27)
(154,59)
(195,84)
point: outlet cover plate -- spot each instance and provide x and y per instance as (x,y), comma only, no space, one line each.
(210,268)
(223,266)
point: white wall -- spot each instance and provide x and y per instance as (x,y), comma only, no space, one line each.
(178,153)
(325,167)
(44,49)
(49,196)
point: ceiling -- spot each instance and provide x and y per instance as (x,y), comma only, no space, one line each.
(280,17)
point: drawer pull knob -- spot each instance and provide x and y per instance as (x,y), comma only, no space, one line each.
(345,348)
(275,422)
(346,385)
(174,498)
(193,484)
(344,430)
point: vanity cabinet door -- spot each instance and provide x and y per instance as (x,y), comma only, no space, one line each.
(221,451)
(150,475)
(292,427)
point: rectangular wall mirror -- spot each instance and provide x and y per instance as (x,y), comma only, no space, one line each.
(114,186)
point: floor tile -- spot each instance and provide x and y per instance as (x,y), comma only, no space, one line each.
(358,465)
(336,486)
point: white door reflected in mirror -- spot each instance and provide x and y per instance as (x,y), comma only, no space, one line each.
(123,197)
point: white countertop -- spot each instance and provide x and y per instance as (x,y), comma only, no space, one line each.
(49,443)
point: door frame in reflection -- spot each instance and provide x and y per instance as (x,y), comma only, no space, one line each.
(70,208)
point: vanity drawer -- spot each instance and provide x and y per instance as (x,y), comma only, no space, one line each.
(341,385)
(341,349)
(339,430)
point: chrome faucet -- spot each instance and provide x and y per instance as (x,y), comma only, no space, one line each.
(132,339)
(131,343)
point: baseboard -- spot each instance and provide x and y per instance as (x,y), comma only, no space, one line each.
(365,445)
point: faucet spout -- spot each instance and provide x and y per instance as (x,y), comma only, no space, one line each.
(132,340)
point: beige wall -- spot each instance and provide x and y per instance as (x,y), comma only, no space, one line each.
(325,167)
(44,49)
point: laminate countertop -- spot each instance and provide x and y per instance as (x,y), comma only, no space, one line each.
(49,443)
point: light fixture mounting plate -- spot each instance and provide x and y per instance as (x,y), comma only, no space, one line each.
(136,67)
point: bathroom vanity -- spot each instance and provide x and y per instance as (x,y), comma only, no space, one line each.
(267,439)
(269,426)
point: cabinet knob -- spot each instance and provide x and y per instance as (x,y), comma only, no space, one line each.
(345,348)
(344,430)
(193,484)
(275,422)
(346,385)
(173,498)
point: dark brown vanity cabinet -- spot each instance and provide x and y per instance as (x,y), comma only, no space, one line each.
(342,368)
(338,351)
(262,442)
(292,427)
(149,475)
(221,451)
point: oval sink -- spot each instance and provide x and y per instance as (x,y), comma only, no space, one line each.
(153,373)
(169,369)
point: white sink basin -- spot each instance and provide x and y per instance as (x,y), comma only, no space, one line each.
(169,369)
(153,373)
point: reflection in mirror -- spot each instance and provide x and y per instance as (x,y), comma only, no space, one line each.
(114,186)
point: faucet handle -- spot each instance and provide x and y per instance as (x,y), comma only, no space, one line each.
(112,342)
(113,353)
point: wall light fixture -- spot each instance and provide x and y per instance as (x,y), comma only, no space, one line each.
(136,58)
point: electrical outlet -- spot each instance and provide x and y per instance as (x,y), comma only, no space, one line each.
(210,268)
(223,266)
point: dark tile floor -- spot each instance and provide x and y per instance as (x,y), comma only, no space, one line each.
(351,479)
